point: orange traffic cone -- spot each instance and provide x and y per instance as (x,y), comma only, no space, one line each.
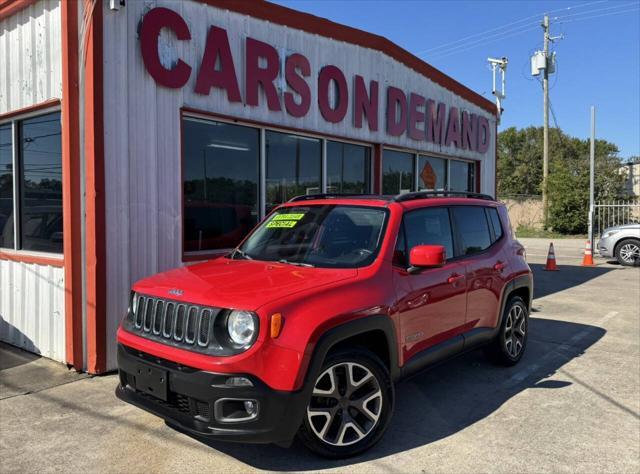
(587,260)
(551,260)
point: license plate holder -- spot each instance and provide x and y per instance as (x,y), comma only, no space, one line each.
(151,381)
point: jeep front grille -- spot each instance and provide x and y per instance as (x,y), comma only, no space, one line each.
(183,325)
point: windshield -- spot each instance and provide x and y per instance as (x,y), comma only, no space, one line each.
(329,236)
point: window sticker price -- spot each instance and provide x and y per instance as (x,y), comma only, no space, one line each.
(284,221)
(281,224)
(288,217)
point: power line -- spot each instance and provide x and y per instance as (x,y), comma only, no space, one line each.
(601,15)
(487,40)
(503,27)
(614,7)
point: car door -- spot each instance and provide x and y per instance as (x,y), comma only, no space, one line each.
(484,263)
(432,302)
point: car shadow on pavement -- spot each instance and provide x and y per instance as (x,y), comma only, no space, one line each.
(546,283)
(446,399)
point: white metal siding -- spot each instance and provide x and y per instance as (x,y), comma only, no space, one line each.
(31,56)
(142,128)
(31,296)
(32,308)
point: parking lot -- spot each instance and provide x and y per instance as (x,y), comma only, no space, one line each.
(572,404)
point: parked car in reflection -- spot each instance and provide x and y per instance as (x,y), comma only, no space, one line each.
(216,225)
(42,228)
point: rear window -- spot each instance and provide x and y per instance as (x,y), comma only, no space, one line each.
(495,223)
(473,229)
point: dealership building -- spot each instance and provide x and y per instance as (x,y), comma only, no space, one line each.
(143,135)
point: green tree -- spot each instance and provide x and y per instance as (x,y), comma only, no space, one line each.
(520,172)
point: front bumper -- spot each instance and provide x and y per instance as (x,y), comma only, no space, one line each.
(605,247)
(191,397)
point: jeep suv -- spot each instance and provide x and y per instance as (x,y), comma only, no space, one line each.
(304,328)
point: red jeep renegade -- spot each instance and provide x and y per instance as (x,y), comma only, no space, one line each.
(305,327)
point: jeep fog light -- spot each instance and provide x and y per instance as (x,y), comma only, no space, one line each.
(239,382)
(250,407)
(241,326)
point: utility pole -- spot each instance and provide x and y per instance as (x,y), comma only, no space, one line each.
(545,133)
(592,162)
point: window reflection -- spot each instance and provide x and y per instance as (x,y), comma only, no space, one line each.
(462,176)
(397,172)
(6,187)
(432,173)
(220,183)
(293,167)
(348,168)
(41,207)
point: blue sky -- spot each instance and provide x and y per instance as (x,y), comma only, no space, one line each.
(598,59)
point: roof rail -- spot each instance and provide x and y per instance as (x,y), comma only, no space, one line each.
(309,197)
(434,194)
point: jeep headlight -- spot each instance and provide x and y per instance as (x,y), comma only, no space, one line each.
(134,302)
(242,327)
(609,233)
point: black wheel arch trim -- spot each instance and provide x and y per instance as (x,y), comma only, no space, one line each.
(521,281)
(344,331)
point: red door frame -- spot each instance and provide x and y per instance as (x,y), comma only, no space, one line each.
(72,213)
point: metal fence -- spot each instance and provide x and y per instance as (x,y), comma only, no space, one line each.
(615,212)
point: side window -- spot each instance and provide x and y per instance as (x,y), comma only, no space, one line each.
(495,223)
(400,258)
(430,226)
(473,229)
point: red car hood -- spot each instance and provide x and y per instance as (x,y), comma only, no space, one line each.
(238,284)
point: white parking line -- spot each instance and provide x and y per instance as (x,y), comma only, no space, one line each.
(528,370)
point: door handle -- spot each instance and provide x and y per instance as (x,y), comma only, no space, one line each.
(499,266)
(455,277)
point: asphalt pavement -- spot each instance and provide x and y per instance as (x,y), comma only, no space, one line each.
(571,405)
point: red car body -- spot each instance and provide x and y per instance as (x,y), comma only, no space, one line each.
(418,317)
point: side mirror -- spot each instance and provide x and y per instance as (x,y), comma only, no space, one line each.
(426,256)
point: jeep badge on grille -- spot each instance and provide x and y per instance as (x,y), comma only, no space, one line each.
(175,292)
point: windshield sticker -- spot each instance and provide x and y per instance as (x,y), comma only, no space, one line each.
(288,217)
(279,224)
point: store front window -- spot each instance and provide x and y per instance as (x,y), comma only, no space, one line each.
(6,187)
(38,174)
(220,183)
(293,167)
(348,168)
(463,176)
(397,172)
(432,173)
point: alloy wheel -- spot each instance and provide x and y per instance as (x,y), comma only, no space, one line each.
(630,253)
(515,330)
(345,405)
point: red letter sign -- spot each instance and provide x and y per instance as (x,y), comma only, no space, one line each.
(255,75)
(225,78)
(364,104)
(469,131)
(416,116)
(328,74)
(298,84)
(484,135)
(396,98)
(453,128)
(152,23)
(435,121)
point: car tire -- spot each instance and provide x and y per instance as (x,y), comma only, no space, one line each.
(350,406)
(509,345)
(627,252)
